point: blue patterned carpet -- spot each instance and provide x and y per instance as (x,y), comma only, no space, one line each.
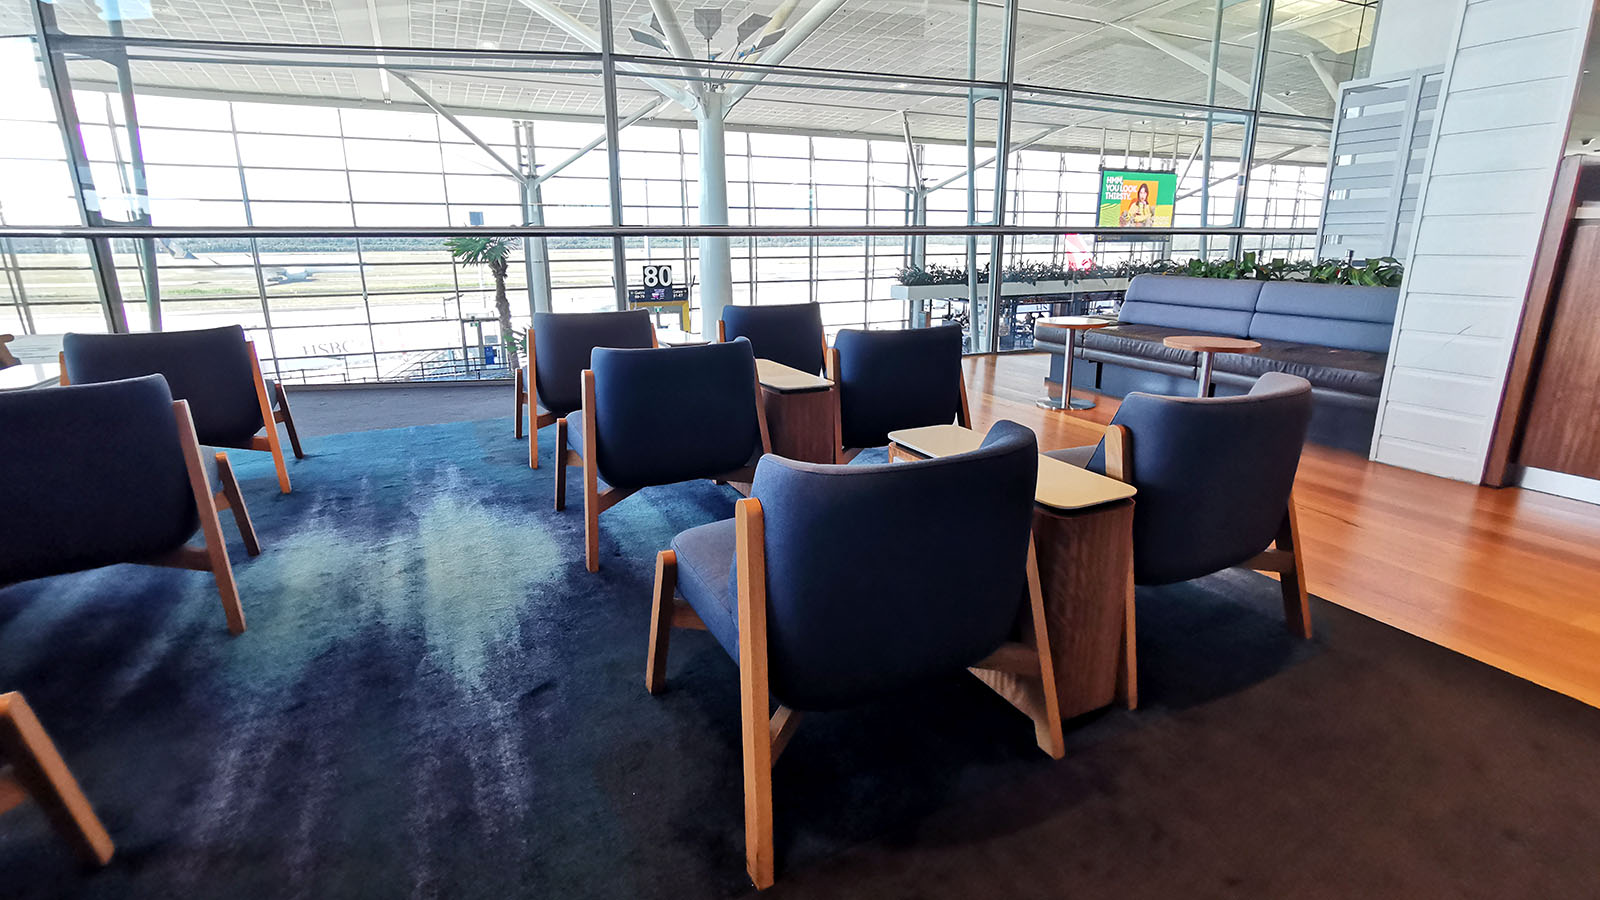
(434,699)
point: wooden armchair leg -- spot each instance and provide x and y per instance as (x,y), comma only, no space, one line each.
(1292,580)
(533,439)
(561,464)
(591,513)
(215,550)
(287,418)
(39,770)
(1024,672)
(1047,729)
(241,516)
(655,667)
(591,476)
(755,692)
(1128,671)
(270,442)
(519,394)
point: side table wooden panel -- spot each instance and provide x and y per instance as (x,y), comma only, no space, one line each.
(1086,569)
(803,424)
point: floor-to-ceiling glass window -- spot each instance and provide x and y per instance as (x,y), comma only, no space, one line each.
(290,177)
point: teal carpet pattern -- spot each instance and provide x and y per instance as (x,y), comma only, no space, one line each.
(435,699)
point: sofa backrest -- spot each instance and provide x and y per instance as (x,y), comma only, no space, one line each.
(1328,315)
(1209,305)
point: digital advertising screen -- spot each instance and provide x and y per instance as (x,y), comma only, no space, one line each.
(1133,199)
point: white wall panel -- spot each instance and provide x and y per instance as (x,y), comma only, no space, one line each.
(1506,96)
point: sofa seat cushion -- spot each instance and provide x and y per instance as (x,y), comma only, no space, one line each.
(1142,341)
(1350,371)
(705,562)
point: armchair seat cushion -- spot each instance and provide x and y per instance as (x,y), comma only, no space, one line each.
(1349,371)
(705,559)
(1141,341)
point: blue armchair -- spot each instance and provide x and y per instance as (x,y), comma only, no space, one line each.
(32,767)
(889,380)
(1216,484)
(790,333)
(215,369)
(822,613)
(110,473)
(558,349)
(655,417)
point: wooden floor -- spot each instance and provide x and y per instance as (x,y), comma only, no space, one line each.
(1506,576)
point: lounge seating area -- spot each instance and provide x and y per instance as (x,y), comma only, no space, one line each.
(1336,337)
(1116,449)
(1061,603)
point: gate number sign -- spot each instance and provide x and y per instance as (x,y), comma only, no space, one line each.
(657,276)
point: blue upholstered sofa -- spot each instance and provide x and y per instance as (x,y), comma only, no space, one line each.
(1335,336)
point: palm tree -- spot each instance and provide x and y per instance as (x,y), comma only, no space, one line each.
(494,252)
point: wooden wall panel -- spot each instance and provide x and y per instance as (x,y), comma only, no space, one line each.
(1561,433)
(1506,97)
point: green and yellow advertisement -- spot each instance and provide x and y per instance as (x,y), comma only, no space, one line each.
(1131,199)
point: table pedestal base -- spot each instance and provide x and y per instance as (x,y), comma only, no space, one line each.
(1066,400)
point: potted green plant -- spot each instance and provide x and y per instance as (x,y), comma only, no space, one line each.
(494,252)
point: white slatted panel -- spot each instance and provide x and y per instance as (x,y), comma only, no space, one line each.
(1380,142)
(1506,98)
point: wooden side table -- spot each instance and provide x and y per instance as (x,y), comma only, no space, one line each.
(802,412)
(1208,346)
(1083,534)
(1073,325)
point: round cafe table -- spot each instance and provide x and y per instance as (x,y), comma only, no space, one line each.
(1208,346)
(1072,325)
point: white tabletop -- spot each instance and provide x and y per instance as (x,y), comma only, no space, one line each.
(36,348)
(784,379)
(677,337)
(29,375)
(1061,485)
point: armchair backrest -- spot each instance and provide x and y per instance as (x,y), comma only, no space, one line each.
(1213,474)
(674,414)
(210,367)
(858,605)
(890,380)
(95,475)
(790,333)
(563,343)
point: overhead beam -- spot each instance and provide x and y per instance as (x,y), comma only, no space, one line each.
(448,116)
(668,18)
(577,154)
(1021,145)
(589,38)
(911,149)
(1259,162)
(807,26)
(1330,83)
(1203,66)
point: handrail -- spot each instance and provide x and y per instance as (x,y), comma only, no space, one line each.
(623,231)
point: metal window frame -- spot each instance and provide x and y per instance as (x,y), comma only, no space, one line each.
(98,234)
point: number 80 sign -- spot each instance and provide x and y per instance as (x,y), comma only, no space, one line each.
(657,276)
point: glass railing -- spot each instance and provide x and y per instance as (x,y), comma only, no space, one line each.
(369,305)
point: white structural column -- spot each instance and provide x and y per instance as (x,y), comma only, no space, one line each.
(1511,75)
(716,260)
(709,103)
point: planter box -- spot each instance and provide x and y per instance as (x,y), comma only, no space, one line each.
(1008,289)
